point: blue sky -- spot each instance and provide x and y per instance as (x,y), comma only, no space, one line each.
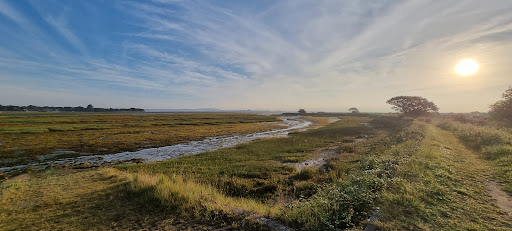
(268,55)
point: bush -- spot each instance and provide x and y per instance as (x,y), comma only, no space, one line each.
(497,151)
(477,136)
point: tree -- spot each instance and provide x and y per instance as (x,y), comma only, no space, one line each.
(503,108)
(353,110)
(89,107)
(412,105)
(302,111)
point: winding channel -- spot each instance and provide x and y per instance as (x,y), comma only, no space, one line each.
(168,152)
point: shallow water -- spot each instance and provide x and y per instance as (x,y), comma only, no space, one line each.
(168,152)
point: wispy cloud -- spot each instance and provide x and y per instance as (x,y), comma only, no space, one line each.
(61,26)
(11,13)
(324,55)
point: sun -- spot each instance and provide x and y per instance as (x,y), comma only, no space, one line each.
(466,67)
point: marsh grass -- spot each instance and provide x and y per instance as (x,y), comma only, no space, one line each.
(36,134)
(357,178)
(256,169)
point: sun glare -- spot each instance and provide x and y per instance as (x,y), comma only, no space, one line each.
(466,67)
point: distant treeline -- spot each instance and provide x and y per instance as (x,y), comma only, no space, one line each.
(89,108)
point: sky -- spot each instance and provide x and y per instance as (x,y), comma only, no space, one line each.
(322,55)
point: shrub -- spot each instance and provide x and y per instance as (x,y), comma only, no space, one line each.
(496,151)
(477,136)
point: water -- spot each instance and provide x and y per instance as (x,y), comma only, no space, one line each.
(168,152)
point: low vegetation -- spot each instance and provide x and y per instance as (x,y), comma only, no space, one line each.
(256,169)
(25,137)
(406,174)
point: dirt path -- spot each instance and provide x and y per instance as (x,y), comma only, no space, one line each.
(503,200)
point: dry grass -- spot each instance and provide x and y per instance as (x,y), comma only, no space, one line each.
(108,199)
(192,199)
(73,201)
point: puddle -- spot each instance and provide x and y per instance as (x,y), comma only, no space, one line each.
(168,152)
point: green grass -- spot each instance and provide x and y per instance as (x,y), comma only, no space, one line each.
(439,187)
(493,144)
(358,179)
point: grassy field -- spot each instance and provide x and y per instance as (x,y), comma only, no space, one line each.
(407,174)
(24,137)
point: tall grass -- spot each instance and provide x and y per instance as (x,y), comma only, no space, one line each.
(477,136)
(193,199)
(336,206)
